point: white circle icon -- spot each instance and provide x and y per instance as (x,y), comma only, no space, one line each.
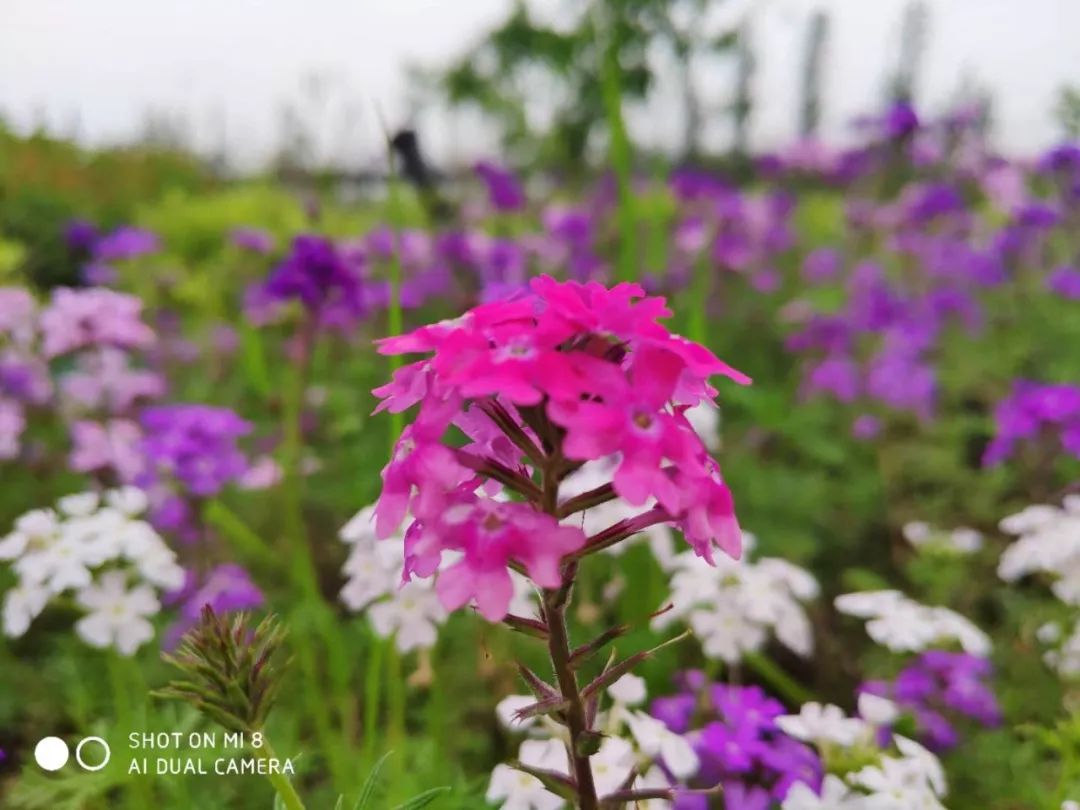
(51,754)
(104,746)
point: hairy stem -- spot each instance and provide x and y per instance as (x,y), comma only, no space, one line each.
(559,650)
(555,603)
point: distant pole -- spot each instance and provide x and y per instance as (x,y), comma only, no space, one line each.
(913,34)
(743,104)
(817,36)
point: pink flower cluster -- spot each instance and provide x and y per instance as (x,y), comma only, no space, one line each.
(539,385)
(79,319)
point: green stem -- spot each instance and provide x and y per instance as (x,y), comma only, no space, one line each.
(780,682)
(395,317)
(395,705)
(619,148)
(124,689)
(372,695)
(284,788)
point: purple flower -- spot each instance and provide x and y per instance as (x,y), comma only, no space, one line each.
(126,242)
(837,375)
(196,445)
(822,264)
(866,427)
(80,236)
(227,588)
(254,239)
(731,748)
(316,274)
(504,189)
(1031,409)
(940,688)
(1065,281)
(900,121)
(738,742)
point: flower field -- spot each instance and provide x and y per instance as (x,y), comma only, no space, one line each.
(649,490)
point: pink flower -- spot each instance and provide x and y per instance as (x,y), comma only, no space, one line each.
(77,319)
(536,385)
(114,445)
(490,535)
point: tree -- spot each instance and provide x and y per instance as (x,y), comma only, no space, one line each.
(542,84)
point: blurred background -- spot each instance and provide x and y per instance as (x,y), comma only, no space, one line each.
(256,83)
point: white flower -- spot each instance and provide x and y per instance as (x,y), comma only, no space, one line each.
(611,765)
(34,532)
(129,501)
(412,615)
(903,625)
(22,605)
(629,690)
(1049,543)
(547,754)
(653,779)
(867,604)
(63,565)
(733,606)
(81,505)
(876,710)
(1069,804)
(959,541)
(835,795)
(657,741)
(704,418)
(921,764)
(917,532)
(361,527)
(517,790)
(965,540)
(823,724)
(373,570)
(523,602)
(726,632)
(507,708)
(117,617)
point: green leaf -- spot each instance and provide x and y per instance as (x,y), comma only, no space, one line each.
(424,799)
(368,790)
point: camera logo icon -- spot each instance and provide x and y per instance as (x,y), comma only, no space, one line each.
(52,753)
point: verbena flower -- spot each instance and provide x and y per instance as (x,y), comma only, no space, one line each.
(903,625)
(1032,410)
(633,744)
(126,242)
(195,445)
(227,588)
(103,553)
(316,275)
(569,373)
(923,536)
(255,240)
(734,733)
(938,688)
(867,768)
(411,612)
(504,189)
(735,606)
(80,319)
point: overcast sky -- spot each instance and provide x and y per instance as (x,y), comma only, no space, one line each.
(96,66)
